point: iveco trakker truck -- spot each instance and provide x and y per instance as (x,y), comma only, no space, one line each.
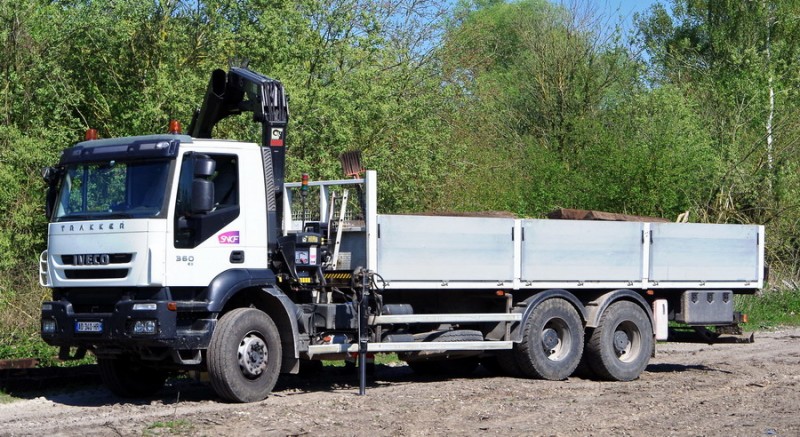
(175,252)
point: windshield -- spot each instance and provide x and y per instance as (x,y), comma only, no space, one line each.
(113,189)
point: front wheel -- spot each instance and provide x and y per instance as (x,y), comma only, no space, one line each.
(620,347)
(244,356)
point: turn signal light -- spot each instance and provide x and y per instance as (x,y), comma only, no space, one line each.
(172,306)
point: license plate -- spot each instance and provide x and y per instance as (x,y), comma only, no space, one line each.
(88,326)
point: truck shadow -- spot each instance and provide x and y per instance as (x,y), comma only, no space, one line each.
(83,388)
(677,368)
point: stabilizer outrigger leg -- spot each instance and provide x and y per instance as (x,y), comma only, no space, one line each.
(362,276)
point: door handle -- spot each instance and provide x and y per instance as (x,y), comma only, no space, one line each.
(237,257)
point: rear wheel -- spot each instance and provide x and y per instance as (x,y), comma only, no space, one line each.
(127,377)
(620,347)
(552,342)
(244,356)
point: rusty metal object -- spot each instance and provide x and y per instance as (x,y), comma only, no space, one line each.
(21,363)
(583,214)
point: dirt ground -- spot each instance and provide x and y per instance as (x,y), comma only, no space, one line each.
(688,389)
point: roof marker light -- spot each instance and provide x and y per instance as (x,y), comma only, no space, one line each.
(175,127)
(91,134)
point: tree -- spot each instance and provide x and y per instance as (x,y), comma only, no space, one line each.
(739,59)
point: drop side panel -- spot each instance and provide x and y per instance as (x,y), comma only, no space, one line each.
(704,252)
(445,249)
(590,251)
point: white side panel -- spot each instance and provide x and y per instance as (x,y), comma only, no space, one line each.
(446,249)
(247,233)
(586,251)
(704,252)
(661,318)
(371,182)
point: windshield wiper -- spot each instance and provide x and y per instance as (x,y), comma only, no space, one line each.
(94,216)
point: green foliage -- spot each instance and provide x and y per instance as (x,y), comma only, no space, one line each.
(770,309)
(28,344)
(171,427)
(522,106)
(650,155)
(737,60)
(6,398)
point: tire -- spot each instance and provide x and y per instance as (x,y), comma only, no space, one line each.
(244,356)
(584,370)
(455,368)
(452,364)
(620,347)
(552,341)
(127,377)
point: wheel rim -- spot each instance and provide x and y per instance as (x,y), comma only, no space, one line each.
(253,355)
(627,341)
(556,340)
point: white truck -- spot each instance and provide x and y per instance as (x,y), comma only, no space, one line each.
(181,252)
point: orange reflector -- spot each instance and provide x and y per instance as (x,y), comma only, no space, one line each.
(500,293)
(172,306)
(91,134)
(327,339)
(175,127)
(744,318)
(650,292)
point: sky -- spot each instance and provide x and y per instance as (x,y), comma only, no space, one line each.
(624,9)
(614,11)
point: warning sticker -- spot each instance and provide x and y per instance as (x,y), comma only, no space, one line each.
(276,138)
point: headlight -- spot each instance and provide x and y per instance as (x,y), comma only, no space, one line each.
(145,327)
(48,326)
(145,307)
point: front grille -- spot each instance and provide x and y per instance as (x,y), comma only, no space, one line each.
(96,273)
(93,308)
(114,258)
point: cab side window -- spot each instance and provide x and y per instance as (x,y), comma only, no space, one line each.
(208,197)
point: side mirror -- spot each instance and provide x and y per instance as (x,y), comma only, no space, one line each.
(204,166)
(202,201)
(202,196)
(51,175)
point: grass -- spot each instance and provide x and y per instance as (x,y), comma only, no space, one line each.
(384,358)
(178,426)
(6,398)
(770,309)
(29,344)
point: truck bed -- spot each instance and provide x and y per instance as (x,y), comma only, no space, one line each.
(468,252)
(435,252)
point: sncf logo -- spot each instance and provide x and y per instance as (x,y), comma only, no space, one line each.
(231,237)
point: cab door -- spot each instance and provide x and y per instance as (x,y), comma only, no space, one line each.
(208,219)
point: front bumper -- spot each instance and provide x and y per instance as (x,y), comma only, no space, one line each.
(184,328)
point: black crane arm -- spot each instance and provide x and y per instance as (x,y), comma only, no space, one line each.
(242,90)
